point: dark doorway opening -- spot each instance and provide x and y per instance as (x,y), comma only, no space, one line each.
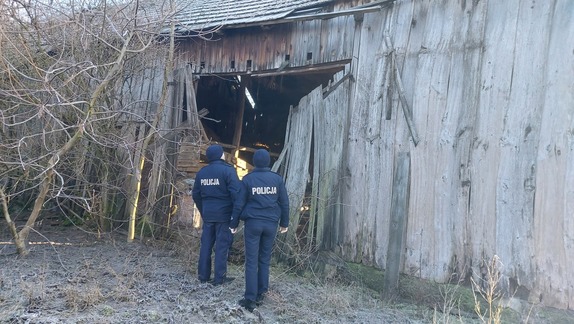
(265,114)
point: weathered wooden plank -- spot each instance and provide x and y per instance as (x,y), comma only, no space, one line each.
(318,142)
(552,225)
(399,214)
(407,111)
(327,40)
(515,188)
(366,194)
(463,108)
(297,175)
(329,132)
(431,203)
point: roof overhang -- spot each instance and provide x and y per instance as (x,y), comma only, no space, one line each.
(211,16)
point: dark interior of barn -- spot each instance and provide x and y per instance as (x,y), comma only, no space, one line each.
(264,117)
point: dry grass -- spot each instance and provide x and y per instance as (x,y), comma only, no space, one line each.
(487,290)
(80,298)
(111,281)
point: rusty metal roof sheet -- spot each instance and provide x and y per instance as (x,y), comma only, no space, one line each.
(205,15)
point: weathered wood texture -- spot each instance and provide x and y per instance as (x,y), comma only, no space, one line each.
(330,120)
(320,120)
(192,139)
(297,154)
(366,195)
(140,96)
(491,88)
(398,223)
(309,42)
(491,91)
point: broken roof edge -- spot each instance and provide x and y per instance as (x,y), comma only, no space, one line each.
(315,68)
(305,13)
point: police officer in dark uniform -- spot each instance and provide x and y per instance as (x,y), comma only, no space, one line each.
(265,207)
(215,193)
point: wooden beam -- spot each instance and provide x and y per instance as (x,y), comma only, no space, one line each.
(240,111)
(333,87)
(404,104)
(333,67)
(243,148)
(317,68)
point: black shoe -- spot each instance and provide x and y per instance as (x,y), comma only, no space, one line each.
(259,299)
(224,281)
(206,281)
(247,304)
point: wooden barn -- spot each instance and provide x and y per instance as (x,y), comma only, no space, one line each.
(438,131)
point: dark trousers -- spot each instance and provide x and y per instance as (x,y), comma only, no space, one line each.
(218,235)
(259,238)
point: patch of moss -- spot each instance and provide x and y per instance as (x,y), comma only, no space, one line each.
(457,299)
(370,277)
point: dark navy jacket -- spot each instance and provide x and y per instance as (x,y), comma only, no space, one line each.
(264,197)
(215,191)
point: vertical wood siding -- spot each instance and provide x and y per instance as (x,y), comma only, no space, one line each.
(491,89)
(298,154)
(330,119)
(327,40)
(367,193)
(552,222)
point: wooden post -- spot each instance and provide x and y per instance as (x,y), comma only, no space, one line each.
(399,211)
(239,118)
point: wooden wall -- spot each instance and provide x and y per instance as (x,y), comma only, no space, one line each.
(491,87)
(266,47)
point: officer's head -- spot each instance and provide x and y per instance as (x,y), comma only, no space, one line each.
(214,152)
(261,158)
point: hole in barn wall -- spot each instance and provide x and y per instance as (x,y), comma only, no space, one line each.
(265,125)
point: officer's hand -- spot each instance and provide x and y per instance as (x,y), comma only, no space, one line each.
(233,230)
(283,229)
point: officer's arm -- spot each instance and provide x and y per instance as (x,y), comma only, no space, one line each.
(238,205)
(196,195)
(284,206)
(234,188)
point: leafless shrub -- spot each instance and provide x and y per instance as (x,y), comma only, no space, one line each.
(125,281)
(72,118)
(487,288)
(34,288)
(451,304)
(185,242)
(79,298)
(35,295)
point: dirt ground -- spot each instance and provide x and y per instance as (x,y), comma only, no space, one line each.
(71,276)
(78,278)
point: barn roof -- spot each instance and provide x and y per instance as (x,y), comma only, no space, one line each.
(206,15)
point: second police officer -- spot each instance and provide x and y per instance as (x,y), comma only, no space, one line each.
(265,207)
